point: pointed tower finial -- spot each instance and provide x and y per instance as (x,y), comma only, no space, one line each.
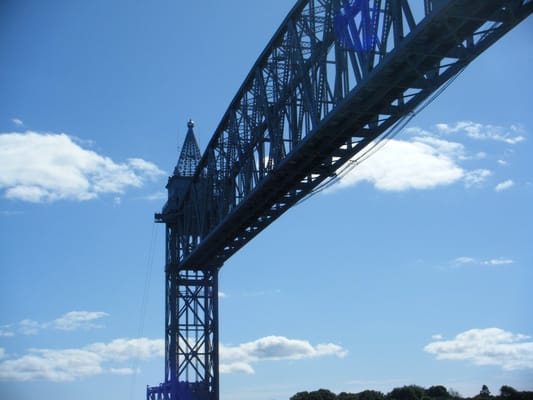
(190,154)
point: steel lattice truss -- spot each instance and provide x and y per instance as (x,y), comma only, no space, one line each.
(316,97)
(336,77)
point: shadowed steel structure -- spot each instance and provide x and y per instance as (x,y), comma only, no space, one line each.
(337,77)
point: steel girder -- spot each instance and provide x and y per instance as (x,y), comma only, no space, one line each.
(319,93)
(336,77)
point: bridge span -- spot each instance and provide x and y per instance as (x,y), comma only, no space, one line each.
(337,77)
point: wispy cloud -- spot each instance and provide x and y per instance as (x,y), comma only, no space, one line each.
(241,358)
(504,185)
(17,121)
(462,261)
(78,319)
(7,331)
(510,135)
(124,371)
(45,167)
(6,213)
(465,260)
(161,195)
(498,261)
(476,177)
(70,321)
(491,346)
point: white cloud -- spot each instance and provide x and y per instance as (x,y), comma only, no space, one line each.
(465,260)
(30,327)
(53,365)
(504,185)
(70,321)
(17,121)
(78,319)
(476,177)
(421,163)
(452,150)
(146,168)
(124,371)
(236,368)
(498,261)
(71,364)
(5,331)
(426,161)
(2,353)
(474,261)
(240,358)
(95,359)
(44,167)
(125,349)
(491,346)
(474,130)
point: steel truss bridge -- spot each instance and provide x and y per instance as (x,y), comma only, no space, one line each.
(337,77)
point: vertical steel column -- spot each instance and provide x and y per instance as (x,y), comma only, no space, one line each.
(191,365)
(191,296)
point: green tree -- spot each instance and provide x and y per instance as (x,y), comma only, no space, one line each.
(321,394)
(370,395)
(484,392)
(300,396)
(411,392)
(347,396)
(455,394)
(437,392)
(508,392)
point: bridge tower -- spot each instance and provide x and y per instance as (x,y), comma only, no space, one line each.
(191,311)
(337,77)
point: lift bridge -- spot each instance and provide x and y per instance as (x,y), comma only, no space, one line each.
(337,77)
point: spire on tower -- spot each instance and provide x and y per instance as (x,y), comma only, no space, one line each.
(190,154)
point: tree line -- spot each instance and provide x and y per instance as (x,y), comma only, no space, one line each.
(414,392)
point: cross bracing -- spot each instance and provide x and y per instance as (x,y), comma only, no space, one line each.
(337,77)
(318,96)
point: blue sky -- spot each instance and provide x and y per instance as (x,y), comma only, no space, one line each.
(415,269)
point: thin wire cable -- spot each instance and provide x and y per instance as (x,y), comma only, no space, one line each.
(375,146)
(144,301)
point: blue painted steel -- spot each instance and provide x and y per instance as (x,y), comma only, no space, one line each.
(336,78)
(190,154)
(356,25)
(191,313)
